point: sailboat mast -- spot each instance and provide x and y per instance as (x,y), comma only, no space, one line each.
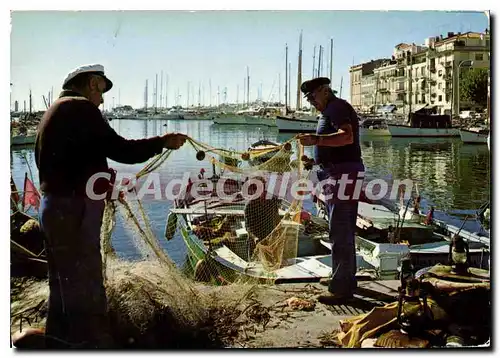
(146,96)
(279,88)
(30,101)
(286,79)
(161,90)
(248,86)
(299,72)
(166,92)
(244,90)
(187,99)
(314,62)
(289,82)
(331,59)
(341,80)
(156,93)
(319,60)
(199,94)
(210,91)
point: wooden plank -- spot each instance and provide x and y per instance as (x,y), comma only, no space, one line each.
(386,290)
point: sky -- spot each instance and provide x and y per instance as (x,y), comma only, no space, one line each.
(198,48)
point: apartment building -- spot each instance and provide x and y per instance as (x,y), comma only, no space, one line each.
(363,82)
(418,76)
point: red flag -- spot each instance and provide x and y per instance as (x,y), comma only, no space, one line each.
(31,196)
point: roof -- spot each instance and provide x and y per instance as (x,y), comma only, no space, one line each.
(469,34)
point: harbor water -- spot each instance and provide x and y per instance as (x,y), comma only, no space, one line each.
(451,176)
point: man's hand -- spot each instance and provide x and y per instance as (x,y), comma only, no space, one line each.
(174,140)
(308,139)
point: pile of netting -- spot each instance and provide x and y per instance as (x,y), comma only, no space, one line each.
(222,247)
(234,243)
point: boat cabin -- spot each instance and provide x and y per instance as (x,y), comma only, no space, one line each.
(418,120)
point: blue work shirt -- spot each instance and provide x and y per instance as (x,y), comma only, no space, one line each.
(344,159)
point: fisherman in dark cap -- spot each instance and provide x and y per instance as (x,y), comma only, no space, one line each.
(337,153)
(72,144)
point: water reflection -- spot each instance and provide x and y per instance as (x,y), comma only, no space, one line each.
(453,177)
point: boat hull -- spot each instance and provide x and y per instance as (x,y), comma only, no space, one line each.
(293,125)
(260,121)
(472,137)
(235,119)
(22,140)
(374,132)
(407,131)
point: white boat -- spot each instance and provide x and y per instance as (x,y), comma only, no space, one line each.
(425,125)
(474,135)
(260,121)
(298,125)
(229,118)
(373,127)
(397,130)
(426,244)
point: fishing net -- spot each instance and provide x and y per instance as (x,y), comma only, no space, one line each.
(242,224)
(237,240)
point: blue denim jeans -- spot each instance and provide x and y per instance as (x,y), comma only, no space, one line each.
(77,313)
(342,216)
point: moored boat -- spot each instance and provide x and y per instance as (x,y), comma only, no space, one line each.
(373,127)
(474,135)
(297,125)
(421,125)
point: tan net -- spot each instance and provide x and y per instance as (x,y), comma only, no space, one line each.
(236,242)
(235,228)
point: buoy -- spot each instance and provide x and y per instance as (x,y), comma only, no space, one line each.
(171,226)
(245,156)
(304,158)
(287,147)
(200,155)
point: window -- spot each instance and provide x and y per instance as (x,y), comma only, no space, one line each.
(479,57)
(440,98)
(440,85)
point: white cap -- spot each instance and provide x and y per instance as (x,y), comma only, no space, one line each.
(96,69)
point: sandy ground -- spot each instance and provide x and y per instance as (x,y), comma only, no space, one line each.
(268,318)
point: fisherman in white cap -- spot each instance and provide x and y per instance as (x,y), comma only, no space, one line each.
(73,143)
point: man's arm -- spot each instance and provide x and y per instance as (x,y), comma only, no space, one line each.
(342,137)
(117,148)
(341,116)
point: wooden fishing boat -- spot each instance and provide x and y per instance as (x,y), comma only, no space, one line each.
(221,248)
(261,151)
(27,253)
(386,235)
